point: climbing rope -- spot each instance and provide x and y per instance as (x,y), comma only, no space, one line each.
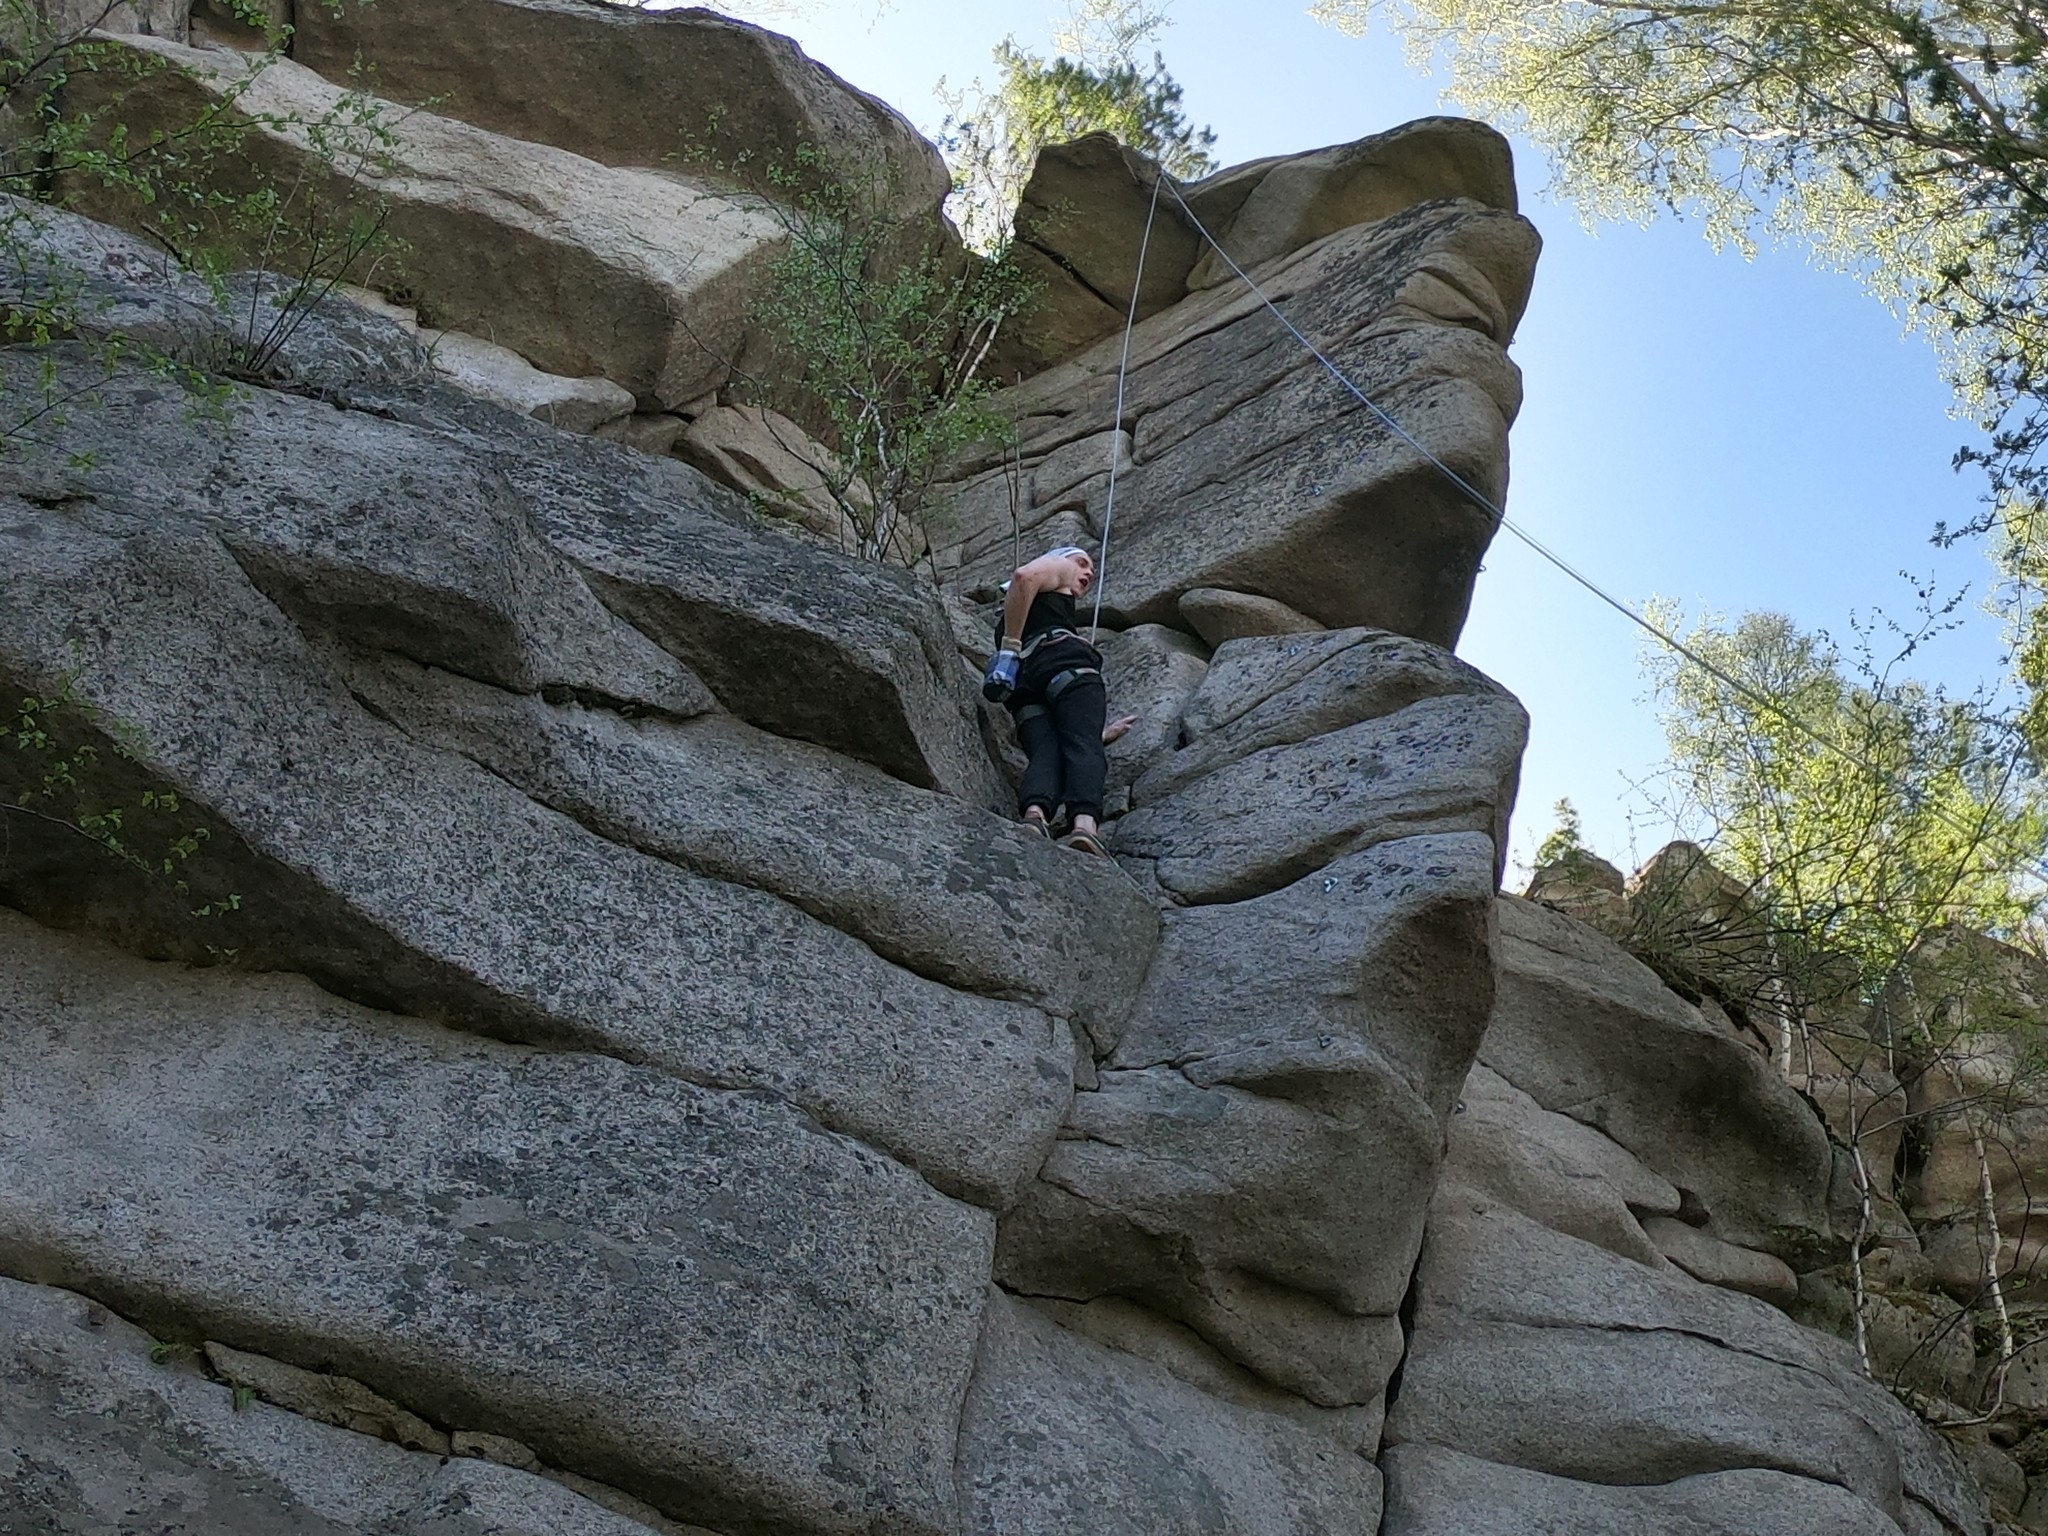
(1487,503)
(1123,367)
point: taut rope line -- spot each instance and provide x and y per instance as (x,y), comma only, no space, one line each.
(1123,367)
(1492,508)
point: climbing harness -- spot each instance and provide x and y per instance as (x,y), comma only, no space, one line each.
(1056,685)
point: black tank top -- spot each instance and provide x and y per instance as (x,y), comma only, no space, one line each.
(1050,610)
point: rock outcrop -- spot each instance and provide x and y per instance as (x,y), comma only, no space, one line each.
(522,1008)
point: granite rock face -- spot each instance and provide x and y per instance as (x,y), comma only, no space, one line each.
(1347,526)
(423,1210)
(636,276)
(98,1438)
(565,992)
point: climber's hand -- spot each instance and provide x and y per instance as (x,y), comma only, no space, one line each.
(1116,728)
(1000,681)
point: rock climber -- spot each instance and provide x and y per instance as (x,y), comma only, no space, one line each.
(1050,679)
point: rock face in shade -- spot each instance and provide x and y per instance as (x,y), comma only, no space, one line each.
(1066,1438)
(100,1438)
(601,1018)
(1688,1099)
(420,1208)
(1347,526)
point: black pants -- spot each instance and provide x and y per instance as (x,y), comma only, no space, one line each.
(1063,738)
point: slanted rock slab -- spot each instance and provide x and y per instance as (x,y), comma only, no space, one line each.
(1063,1437)
(1432,1491)
(642,277)
(1443,765)
(698,1296)
(99,1438)
(407,877)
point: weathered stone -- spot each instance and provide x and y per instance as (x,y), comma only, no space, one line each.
(356,527)
(1301,198)
(97,1439)
(641,277)
(1150,672)
(1257,1157)
(1552,1169)
(689,88)
(1585,1029)
(587,1256)
(331,1399)
(769,459)
(649,431)
(500,375)
(1062,1437)
(1255,472)
(1267,691)
(1536,1350)
(1139,1331)
(1707,1258)
(506,1452)
(1218,616)
(1443,765)
(1085,213)
(1432,1491)
(1584,886)
(67,19)
(796,639)
(92,280)
(405,876)
(973,901)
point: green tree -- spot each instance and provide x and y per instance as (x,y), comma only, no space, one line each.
(1905,141)
(878,332)
(1097,81)
(1879,833)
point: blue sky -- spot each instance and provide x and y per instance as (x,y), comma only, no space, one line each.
(1732,434)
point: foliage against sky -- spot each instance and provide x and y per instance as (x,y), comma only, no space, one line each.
(1864,810)
(1906,142)
(1097,80)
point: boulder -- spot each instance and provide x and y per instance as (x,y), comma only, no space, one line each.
(100,1438)
(1535,1350)
(1432,1491)
(1589,1031)
(492,533)
(1301,198)
(1918,1342)
(1253,471)
(1062,1437)
(684,89)
(1584,886)
(1081,226)
(1269,691)
(640,277)
(407,877)
(1507,1147)
(1707,1258)
(769,459)
(972,901)
(694,1294)
(1218,616)
(1149,671)
(1257,1154)
(1442,765)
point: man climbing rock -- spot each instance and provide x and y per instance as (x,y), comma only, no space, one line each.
(1050,679)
